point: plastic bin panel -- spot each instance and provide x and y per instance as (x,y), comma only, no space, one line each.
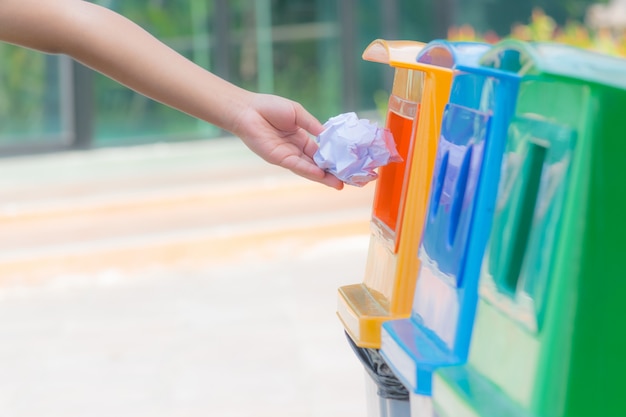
(363,307)
(398,216)
(391,187)
(526,221)
(457,169)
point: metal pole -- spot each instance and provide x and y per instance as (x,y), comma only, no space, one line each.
(390,30)
(444,17)
(83,106)
(348,46)
(265,57)
(221,36)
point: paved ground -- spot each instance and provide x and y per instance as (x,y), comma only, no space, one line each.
(175,280)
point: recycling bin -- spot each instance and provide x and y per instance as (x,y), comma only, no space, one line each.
(457,224)
(548,336)
(392,264)
(364,306)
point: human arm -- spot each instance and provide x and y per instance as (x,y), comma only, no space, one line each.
(273,127)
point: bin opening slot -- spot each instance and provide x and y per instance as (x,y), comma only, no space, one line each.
(534,162)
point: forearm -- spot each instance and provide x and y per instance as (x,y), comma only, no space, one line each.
(117,47)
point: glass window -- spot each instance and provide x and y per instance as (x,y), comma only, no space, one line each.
(309,51)
(123,116)
(34,99)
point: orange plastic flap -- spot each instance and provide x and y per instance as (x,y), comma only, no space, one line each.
(393,52)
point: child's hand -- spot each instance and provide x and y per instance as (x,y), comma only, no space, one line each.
(277,129)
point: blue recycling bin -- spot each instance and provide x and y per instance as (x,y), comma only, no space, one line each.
(457,226)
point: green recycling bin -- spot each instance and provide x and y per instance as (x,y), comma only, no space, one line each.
(549,337)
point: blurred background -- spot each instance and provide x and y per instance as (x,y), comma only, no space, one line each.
(307,50)
(151,265)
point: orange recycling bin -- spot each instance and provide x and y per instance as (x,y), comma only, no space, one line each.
(419,94)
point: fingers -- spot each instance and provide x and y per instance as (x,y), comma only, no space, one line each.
(310,148)
(328,179)
(332,181)
(307,121)
(306,143)
(306,168)
(288,143)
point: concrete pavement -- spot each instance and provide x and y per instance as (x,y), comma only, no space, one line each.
(175,280)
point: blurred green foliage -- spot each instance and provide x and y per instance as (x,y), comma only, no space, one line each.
(308,57)
(499,16)
(22,90)
(542,27)
(122,114)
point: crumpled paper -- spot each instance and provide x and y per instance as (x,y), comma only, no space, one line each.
(351,149)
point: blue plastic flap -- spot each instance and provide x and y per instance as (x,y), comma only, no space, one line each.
(413,353)
(448,54)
